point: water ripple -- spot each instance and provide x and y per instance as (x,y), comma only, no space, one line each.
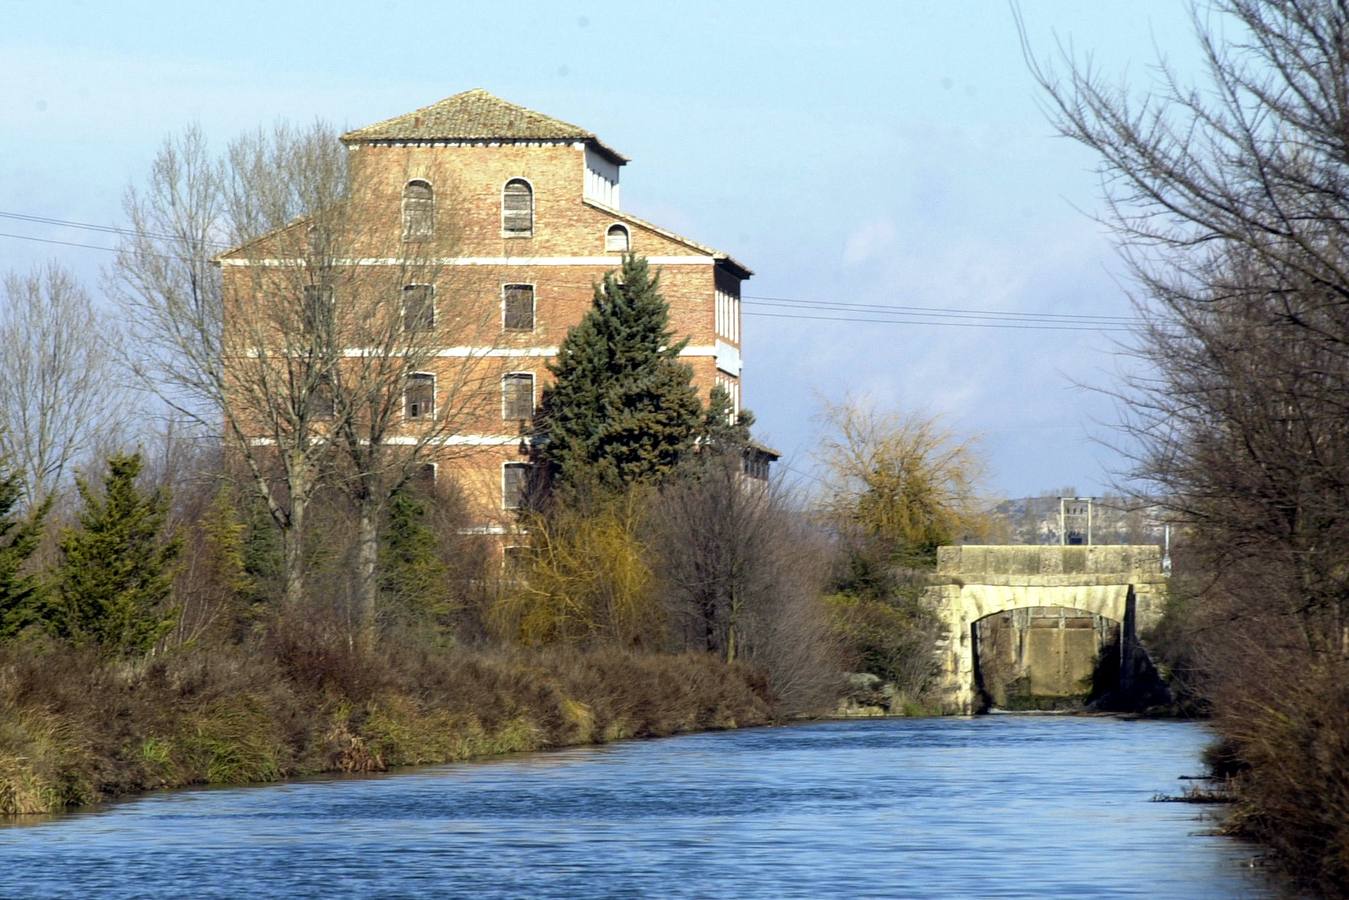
(1004,806)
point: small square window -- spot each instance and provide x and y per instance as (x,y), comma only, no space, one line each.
(518,308)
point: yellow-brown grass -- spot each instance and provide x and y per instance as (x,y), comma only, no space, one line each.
(75,730)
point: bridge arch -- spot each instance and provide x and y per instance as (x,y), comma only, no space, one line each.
(1120,583)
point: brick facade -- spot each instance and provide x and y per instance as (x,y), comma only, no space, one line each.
(465,150)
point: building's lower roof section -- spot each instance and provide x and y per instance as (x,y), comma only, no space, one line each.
(723,258)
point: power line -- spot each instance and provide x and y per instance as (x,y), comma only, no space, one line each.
(29,237)
(106,229)
(940,310)
(1024,327)
(782,307)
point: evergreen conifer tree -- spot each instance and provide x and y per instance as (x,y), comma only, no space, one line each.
(622,408)
(223,571)
(724,431)
(21,596)
(117,567)
(263,556)
(412,572)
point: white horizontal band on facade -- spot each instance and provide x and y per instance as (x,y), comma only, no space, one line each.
(607,261)
(410,440)
(497,351)
(453,352)
(510,352)
(456,440)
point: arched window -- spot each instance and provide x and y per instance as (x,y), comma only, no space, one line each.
(517,208)
(419,211)
(616,239)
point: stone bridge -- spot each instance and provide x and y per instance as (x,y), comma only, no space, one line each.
(1124,584)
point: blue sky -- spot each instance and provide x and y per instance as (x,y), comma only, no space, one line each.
(881,153)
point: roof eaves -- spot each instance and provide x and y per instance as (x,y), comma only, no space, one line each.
(764,449)
(617,158)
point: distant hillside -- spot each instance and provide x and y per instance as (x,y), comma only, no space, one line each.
(1035,520)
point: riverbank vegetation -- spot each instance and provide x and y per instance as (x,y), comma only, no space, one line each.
(77,728)
(896,488)
(199,604)
(1229,199)
(153,635)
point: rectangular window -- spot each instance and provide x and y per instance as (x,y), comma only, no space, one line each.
(323,400)
(517,396)
(424,475)
(317,314)
(419,398)
(514,483)
(518,307)
(419,308)
(514,561)
(728,316)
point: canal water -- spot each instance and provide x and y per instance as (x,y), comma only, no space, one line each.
(995,806)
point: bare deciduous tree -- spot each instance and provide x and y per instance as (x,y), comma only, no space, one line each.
(1230,200)
(299,340)
(741,576)
(59,389)
(903,482)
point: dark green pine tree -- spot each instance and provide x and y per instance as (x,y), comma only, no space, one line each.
(412,573)
(262,555)
(622,408)
(117,567)
(21,596)
(723,430)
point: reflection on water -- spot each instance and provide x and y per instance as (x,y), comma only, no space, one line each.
(999,806)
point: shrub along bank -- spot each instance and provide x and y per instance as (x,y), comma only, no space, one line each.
(77,728)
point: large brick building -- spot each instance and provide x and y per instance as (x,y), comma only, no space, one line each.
(519,214)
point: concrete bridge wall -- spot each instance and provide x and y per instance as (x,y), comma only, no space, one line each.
(1121,583)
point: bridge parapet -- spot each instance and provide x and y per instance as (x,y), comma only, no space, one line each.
(1131,563)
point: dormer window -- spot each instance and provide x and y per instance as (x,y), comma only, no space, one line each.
(419,211)
(517,209)
(616,239)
